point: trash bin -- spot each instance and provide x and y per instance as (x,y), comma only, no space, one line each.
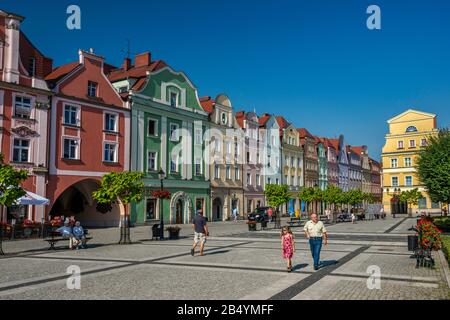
(413,242)
(264,224)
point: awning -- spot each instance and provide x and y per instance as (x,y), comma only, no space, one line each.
(32,199)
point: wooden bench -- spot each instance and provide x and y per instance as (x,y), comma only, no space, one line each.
(53,240)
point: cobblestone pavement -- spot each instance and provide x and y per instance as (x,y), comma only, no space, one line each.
(238,264)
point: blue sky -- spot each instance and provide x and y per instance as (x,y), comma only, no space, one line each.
(314,62)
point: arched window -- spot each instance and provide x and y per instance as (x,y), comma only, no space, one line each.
(411,129)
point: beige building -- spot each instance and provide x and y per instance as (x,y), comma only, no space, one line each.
(225,150)
(408,134)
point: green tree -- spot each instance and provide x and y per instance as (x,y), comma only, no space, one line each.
(10,188)
(331,195)
(355,197)
(433,167)
(307,195)
(121,188)
(370,198)
(411,197)
(276,196)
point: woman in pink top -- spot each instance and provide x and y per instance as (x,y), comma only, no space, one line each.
(288,246)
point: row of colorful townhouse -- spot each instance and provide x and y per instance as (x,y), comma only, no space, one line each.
(70,125)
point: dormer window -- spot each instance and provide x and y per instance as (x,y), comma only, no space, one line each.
(32,67)
(411,129)
(92,89)
(173,99)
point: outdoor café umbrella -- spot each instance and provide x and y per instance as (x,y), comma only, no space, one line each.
(32,199)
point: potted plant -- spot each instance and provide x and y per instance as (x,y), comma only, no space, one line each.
(174,232)
(251,225)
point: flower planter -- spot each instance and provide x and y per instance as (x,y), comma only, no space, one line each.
(174,235)
(252,227)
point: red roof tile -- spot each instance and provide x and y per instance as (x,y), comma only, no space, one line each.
(263,119)
(135,72)
(207,104)
(282,122)
(61,71)
(240,118)
(305,133)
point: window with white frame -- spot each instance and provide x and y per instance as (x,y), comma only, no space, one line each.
(21,150)
(258,180)
(173,99)
(111,122)
(277,181)
(228,172)
(198,136)
(394,163)
(174,164)
(269,180)
(70,148)
(152,162)
(424,142)
(174,134)
(412,143)
(22,107)
(216,171)
(249,179)
(110,152)
(237,175)
(292,181)
(286,179)
(198,166)
(92,89)
(229,147)
(71,115)
(408,162)
(395,181)
(409,181)
(217,145)
(400,145)
(152,127)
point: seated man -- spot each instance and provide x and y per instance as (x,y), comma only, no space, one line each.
(66,232)
(78,233)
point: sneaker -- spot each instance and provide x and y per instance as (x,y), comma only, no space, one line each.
(192,252)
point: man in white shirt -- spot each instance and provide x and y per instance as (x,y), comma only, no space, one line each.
(316,232)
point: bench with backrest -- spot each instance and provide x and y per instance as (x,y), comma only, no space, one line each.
(56,237)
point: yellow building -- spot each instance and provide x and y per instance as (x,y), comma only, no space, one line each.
(408,134)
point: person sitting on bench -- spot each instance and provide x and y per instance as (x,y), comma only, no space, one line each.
(78,234)
(66,232)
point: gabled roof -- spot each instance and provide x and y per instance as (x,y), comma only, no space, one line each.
(207,104)
(360,149)
(282,122)
(432,115)
(351,150)
(240,115)
(263,119)
(61,71)
(305,133)
(136,73)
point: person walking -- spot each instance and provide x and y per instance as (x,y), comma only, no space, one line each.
(316,233)
(270,213)
(200,232)
(287,246)
(235,214)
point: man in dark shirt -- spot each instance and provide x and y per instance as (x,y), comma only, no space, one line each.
(200,232)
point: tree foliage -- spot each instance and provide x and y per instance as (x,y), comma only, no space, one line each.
(309,195)
(124,186)
(277,195)
(411,196)
(10,183)
(433,166)
(332,194)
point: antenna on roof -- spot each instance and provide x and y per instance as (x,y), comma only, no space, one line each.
(128,48)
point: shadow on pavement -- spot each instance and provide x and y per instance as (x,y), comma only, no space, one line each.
(300,266)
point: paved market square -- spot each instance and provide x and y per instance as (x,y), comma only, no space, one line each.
(238,264)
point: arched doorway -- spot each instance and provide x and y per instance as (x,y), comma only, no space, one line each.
(217,209)
(181,211)
(77,201)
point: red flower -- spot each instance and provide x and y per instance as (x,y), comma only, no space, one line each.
(161,194)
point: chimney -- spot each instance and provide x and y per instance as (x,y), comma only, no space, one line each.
(143,59)
(127,64)
(12,35)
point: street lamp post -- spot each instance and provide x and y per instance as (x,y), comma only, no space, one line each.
(161,175)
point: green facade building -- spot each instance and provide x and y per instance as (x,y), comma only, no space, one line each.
(167,132)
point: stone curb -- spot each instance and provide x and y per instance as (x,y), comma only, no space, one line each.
(445,267)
